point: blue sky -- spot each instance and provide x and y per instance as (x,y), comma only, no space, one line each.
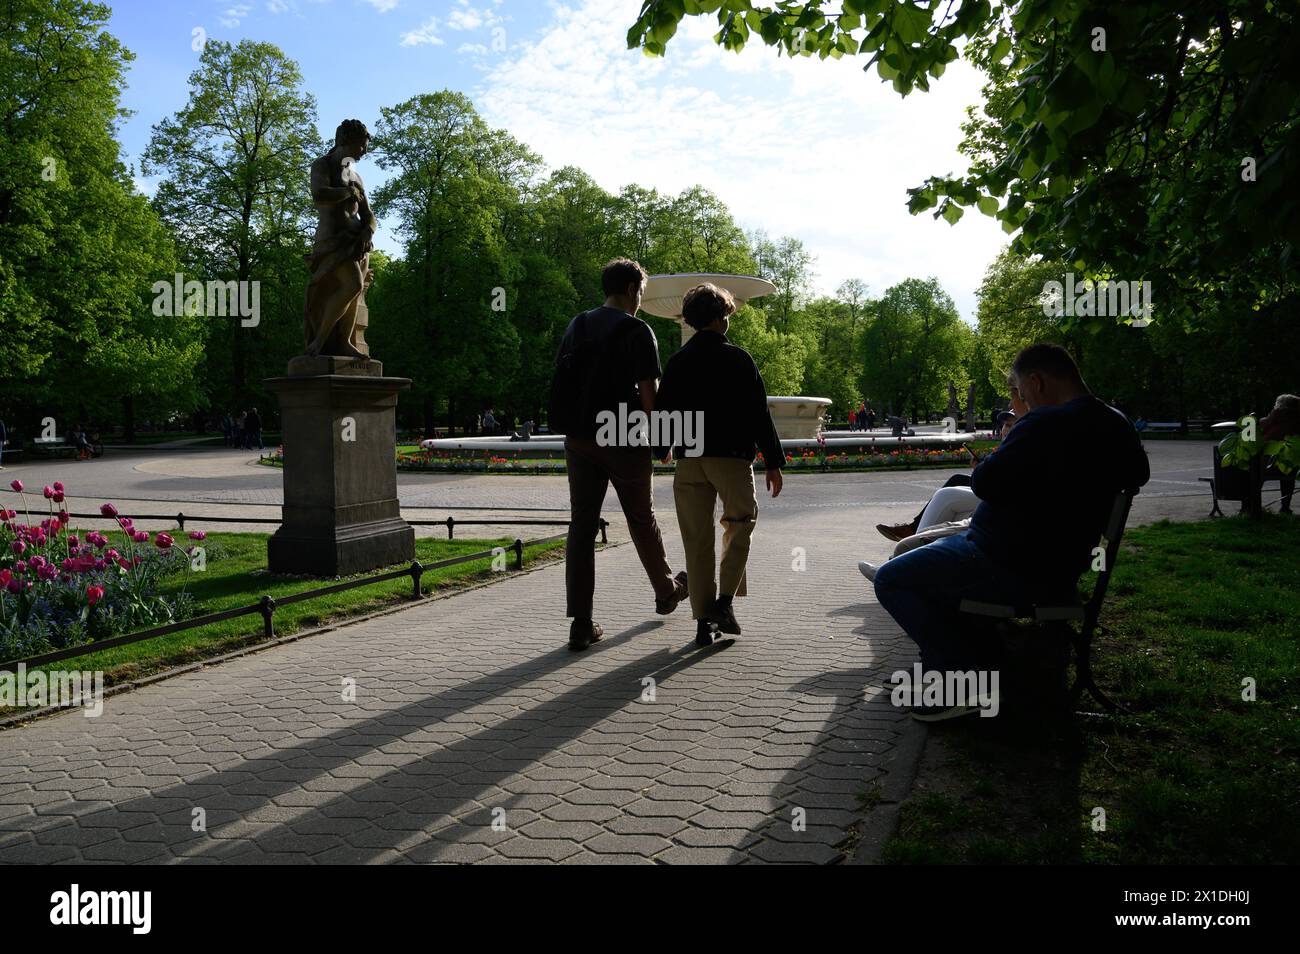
(818,150)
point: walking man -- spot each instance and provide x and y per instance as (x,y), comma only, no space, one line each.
(712,378)
(608,358)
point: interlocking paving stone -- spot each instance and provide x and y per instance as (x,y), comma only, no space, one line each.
(473,703)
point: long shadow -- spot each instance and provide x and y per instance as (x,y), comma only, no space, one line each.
(1015,778)
(226,794)
(434,786)
(831,786)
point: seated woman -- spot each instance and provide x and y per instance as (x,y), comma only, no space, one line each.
(902,531)
(949,511)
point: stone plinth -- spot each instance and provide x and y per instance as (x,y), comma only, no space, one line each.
(340,513)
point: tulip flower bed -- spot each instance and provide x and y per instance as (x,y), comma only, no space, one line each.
(65,587)
(60,588)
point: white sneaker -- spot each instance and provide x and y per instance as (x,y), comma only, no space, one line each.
(868,570)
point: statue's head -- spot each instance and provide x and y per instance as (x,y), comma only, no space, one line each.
(353,137)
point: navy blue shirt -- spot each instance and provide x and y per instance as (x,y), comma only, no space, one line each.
(1046,492)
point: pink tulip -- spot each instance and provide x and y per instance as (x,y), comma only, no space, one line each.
(163,541)
(18,547)
(198,535)
(74,542)
(58,486)
(17,485)
(47,491)
(58,496)
(14,586)
(108,510)
(124,563)
(64,517)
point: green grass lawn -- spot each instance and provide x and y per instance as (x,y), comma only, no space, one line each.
(236,576)
(1191,772)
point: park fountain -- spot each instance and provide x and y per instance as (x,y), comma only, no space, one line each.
(796,418)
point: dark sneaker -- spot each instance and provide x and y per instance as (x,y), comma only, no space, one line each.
(725,619)
(899,531)
(705,632)
(582,633)
(665,606)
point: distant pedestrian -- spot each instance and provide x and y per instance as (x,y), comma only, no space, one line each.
(253,430)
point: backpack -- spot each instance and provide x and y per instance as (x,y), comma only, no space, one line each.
(586,380)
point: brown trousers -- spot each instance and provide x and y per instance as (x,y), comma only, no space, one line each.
(592,469)
(699,482)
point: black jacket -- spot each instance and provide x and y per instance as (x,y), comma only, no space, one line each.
(1046,491)
(712,375)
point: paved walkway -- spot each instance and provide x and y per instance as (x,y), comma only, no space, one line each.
(470,709)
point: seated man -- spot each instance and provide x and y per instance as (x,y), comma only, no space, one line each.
(1044,499)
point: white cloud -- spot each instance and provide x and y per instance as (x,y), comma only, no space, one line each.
(233,15)
(476,48)
(426,34)
(815,149)
(382,6)
(465,16)
(277,6)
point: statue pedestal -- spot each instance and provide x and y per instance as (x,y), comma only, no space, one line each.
(340,513)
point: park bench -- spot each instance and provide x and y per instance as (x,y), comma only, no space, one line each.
(48,447)
(1163,427)
(1063,615)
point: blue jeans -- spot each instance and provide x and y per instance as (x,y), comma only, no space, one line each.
(922,590)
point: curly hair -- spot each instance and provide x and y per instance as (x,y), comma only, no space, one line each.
(351,130)
(704,304)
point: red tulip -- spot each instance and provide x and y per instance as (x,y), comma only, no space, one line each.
(94,594)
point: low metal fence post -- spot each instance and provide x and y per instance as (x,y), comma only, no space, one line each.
(451,525)
(267,606)
(604,525)
(519,553)
(416,571)
(180,520)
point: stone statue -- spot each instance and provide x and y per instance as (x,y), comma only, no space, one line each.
(335,313)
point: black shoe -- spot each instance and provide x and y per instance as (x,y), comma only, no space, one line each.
(665,606)
(582,633)
(722,616)
(705,632)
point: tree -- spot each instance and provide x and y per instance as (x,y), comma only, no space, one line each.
(454,196)
(913,345)
(79,248)
(788,266)
(1144,140)
(236,192)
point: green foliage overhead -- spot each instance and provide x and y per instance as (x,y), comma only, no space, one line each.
(1144,139)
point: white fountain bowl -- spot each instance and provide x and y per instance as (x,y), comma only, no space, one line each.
(663,293)
(798,417)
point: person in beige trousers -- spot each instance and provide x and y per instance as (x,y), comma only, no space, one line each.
(719,386)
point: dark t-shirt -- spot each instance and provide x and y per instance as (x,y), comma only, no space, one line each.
(1046,492)
(635,355)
